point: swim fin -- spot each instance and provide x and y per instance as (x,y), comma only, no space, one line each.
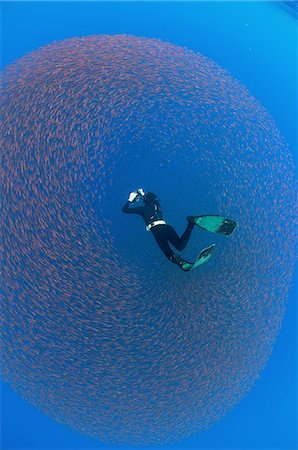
(215,224)
(203,257)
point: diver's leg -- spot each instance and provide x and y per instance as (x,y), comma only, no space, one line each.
(186,235)
(180,242)
(160,235)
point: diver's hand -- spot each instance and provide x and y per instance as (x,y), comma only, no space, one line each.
(133,196)
(141,192)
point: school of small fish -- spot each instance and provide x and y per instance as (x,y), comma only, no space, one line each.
(153,355)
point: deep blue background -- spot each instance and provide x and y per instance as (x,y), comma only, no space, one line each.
(256,43)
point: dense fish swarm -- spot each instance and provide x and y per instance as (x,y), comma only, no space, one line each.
(118,345)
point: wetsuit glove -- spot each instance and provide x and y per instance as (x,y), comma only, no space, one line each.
(141,192)
(133,196)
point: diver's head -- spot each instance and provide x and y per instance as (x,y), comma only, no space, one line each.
(150,197)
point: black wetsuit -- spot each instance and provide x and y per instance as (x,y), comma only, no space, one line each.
(163,234)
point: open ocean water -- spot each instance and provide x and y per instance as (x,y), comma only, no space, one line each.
(256,43)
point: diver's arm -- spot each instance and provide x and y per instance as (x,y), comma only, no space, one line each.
(133,196)
(127,210)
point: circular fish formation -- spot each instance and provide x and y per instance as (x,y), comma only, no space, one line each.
(99,330)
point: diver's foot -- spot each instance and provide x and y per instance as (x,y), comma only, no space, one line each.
(182,263)
(192,219)
(191,224)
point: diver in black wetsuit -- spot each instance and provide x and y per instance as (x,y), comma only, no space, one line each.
(165,234)
(162,232)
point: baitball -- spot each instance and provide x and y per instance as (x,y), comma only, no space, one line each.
(99,330)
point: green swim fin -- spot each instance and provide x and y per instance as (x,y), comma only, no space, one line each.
(203,257)
(215,224)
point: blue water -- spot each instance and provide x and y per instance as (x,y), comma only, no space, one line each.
(256,43)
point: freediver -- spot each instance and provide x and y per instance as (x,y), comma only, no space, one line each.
(165,233)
